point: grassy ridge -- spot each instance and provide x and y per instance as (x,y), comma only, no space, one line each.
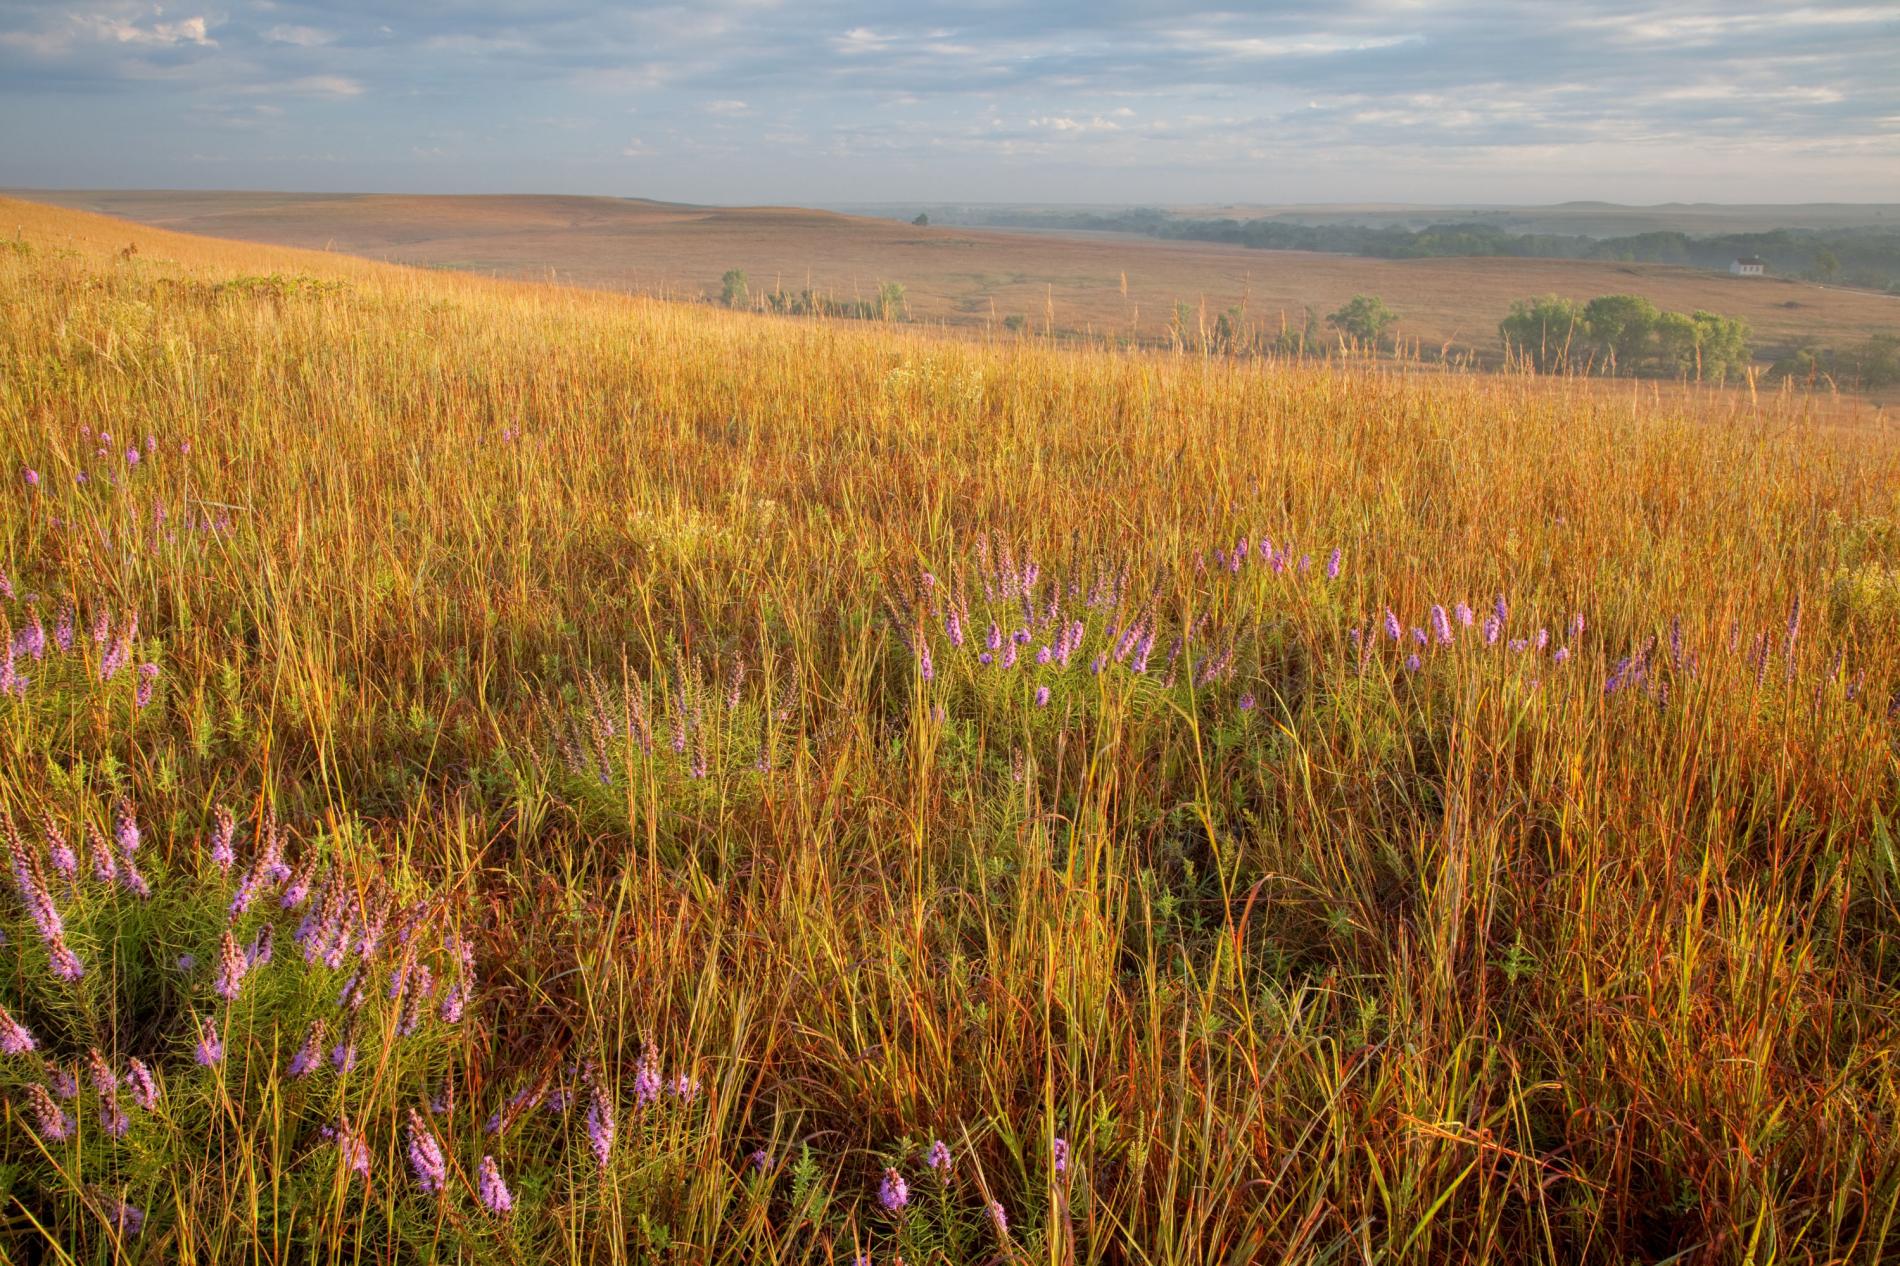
(638,653)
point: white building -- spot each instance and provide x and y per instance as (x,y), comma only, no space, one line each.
(1748,266)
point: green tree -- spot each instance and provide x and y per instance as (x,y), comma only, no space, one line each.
(1721,345)
(1543,331)
(923,220)
(732,288)
(890,300)
(1363,319)
(1620,328)
(1827,265)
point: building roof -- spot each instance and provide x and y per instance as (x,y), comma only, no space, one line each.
(1752,261)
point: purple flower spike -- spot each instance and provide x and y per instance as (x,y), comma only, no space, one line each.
(1332,564)
(1059,1155)
(1393,629)
(893,1193)
(938,1158)
(144,1089)
(494,1192)
(1412,663)
(210,1050)
(32,477)
(14,1037)
(1000,1218)
(1042,696)
(425,1155)
(1441,625)
(49,1119)
(600,1127)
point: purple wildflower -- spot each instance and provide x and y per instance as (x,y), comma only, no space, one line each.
(14,1037)
(1393,629)
(1332,565)
(223,839)
(1000,1218)
(310,1054)
(64,860)
(1059,1155)
(425,1155)
(112,1118)
(126,1219)
(938,1157)
(132,456)
(66,964)
(63,628)
(1246,701)
(685,1087)
(893,1193)
(924,667)
(231,968)
(49,1119)
(210,1049)
(1562,656)
(1412,663)
(1492,627)
(646,1078)
(1441,624)
(148,680)
(32,477)
(144,1088)
(262,946)
(1042,696)
(63,1083)
(494,1192)
(351,1147)
(600,1126)
(761,1160)
(343,1054)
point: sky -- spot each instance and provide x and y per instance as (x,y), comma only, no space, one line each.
(847,101)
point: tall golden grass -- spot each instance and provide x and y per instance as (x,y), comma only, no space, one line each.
(1500,958)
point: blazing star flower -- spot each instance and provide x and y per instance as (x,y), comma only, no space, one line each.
(310,1054)
(223,837)
(938,1157)
(1441,625)
(231,968)
(924,667)
(761,1160)
(600,1127)
(1562,656)
(425,1155)
(112,1118)
(1042,696)
(63,628)
(1492,628)
(494,1192)
(1412,663)
(685,1088)
(126,1219)
(62,1082)
(210,1051)
(1246,701)
(1059,1155)
(1332,564)
(141,1084)
(148,681)
(646,1078)
(32,477)
(343,1055)
(893,1193)
(14,1037)
(1393,629)
(1000,1218)
(49,1119)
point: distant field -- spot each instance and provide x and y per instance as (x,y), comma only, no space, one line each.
(969,277)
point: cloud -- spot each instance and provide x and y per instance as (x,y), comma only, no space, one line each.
(1062,99)
(301,36)
(184,31)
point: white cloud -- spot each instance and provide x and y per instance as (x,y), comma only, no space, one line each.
(727,107)
(157,35)
(301,36)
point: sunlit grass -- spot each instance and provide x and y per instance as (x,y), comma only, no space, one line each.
(589,633)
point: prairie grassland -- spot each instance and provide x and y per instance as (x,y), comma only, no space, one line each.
(682,766)
(1110,287)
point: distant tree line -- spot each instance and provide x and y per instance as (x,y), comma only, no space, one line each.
(1623,334)
(1858,256)
(1875,363)
(887,305)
